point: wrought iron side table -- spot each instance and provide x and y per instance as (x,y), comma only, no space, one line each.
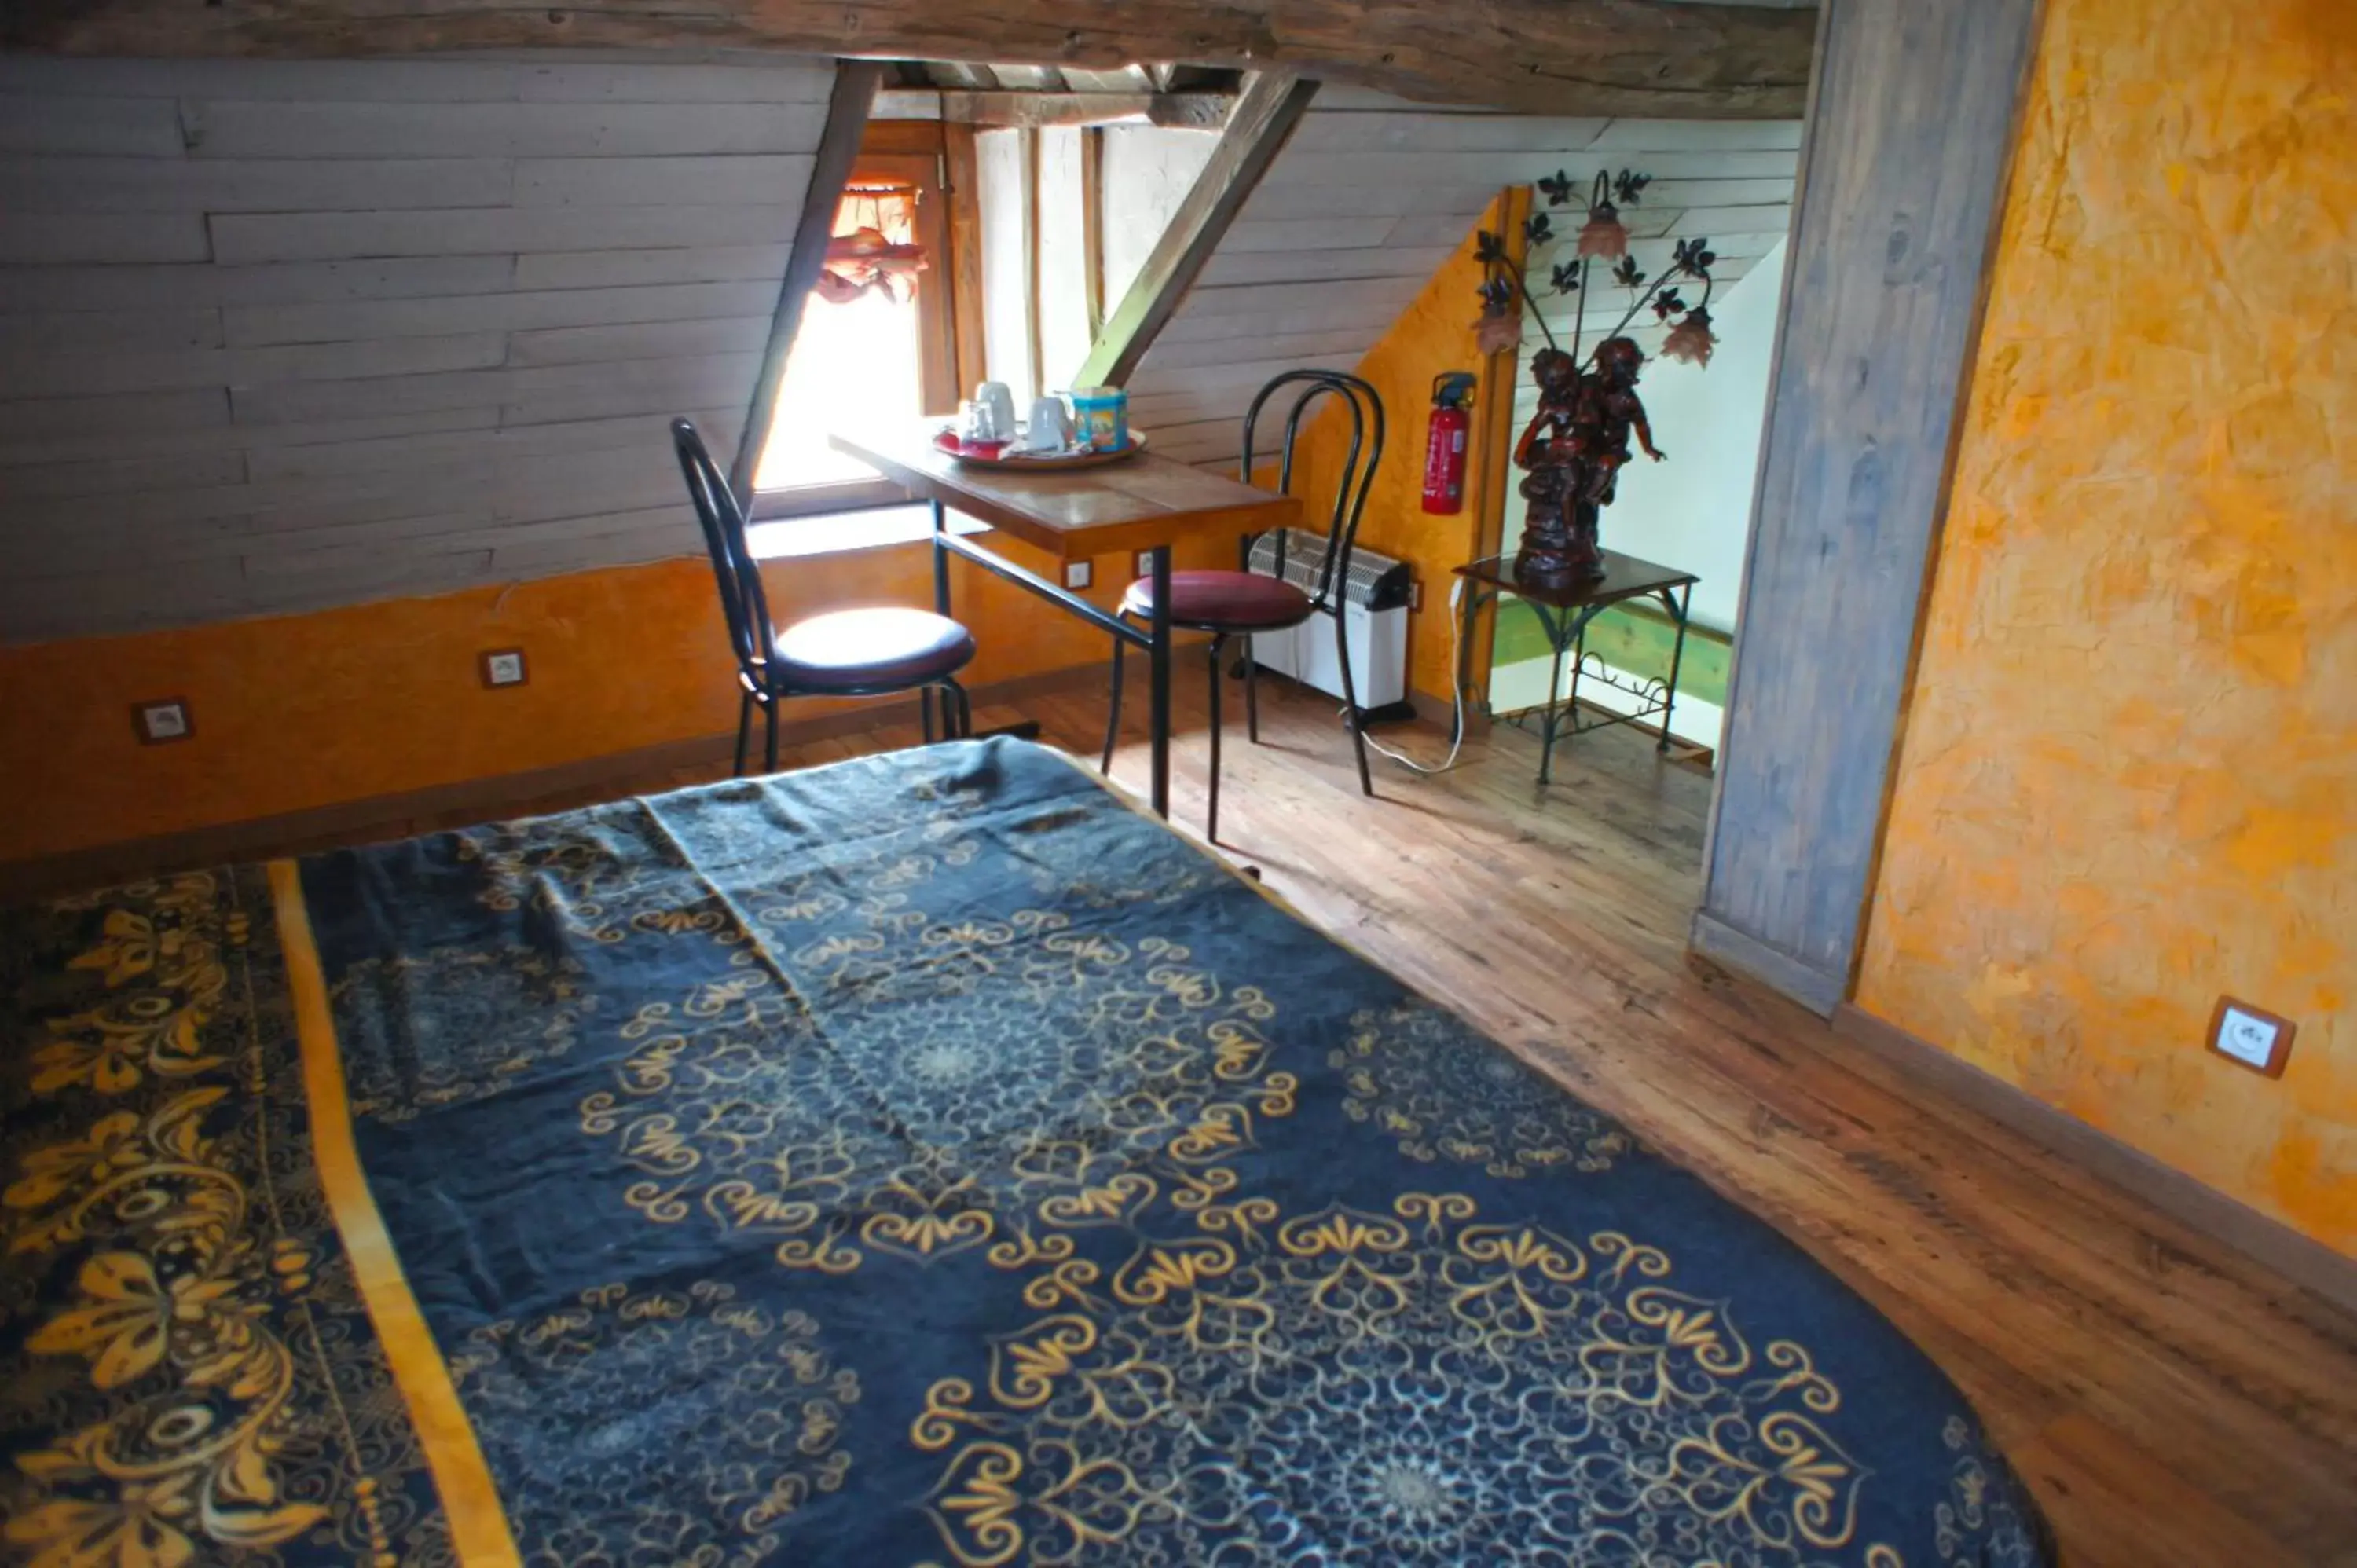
(1563,614)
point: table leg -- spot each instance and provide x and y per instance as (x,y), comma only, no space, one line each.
(941,560)
(1469,607)
(1554,687)
(1158,664)
(1678,657)
(1578,657)
(941,606)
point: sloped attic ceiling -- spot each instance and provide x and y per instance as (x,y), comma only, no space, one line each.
(1372,193)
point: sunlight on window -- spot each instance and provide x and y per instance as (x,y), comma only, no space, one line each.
(856,362)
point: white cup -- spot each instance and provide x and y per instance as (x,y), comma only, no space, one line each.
(998,402)
(1051,426)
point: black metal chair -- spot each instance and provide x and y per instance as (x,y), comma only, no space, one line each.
(1243,602)
(842,653)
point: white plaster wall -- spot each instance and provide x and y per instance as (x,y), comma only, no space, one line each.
(1147,172)
(1063,258)
(1005,175)
(1694,511)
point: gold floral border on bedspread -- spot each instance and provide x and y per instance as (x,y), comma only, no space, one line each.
(194,1344)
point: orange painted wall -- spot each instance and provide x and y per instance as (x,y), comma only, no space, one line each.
(2129,776)
(298,712)
(1432,334)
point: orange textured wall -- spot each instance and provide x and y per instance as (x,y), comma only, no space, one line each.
(1432,334)
(2129,776)
(298,712)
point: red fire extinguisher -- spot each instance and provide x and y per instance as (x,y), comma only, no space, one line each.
(1444,442)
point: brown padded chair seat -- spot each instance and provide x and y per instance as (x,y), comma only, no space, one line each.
(1223,601)
(845,650)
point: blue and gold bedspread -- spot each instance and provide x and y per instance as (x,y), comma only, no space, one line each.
(924,1159)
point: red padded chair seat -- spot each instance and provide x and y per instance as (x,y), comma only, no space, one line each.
(1223,601)
(846,650)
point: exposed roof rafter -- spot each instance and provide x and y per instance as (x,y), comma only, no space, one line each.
(838,148)
(1560,57)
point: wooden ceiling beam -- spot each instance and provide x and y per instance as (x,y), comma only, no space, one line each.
(1563,57)
(1035,111)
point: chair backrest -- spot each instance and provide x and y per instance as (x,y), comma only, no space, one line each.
(1365,407)
(742,601)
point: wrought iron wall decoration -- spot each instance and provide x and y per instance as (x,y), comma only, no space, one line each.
(1574,449)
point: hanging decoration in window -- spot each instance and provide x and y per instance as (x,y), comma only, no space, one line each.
(873,249)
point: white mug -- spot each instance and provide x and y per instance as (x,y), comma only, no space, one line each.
(999,402)
(1051,426)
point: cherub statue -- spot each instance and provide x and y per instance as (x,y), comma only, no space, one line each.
(1609,390)
(1574,449)
(1551,449)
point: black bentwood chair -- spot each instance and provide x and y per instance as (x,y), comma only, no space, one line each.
(1238,604)
(843,654)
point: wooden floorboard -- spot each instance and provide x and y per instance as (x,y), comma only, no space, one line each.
(2171,1401)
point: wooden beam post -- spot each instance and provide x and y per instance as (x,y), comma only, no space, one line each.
(1035,346)
(1902,185)
(1270,107)
(961,185)
(1538,57)
(1493,444)
(1093,227)
(847,123)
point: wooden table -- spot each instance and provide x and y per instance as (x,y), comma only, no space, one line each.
(1563,612)
(1147,503)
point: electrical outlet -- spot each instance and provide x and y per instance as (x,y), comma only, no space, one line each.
(1079,574)
(504,667)
(2250,1036)
(1145,563)
(165,719)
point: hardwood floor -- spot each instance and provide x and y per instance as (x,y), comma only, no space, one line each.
(2171,1403)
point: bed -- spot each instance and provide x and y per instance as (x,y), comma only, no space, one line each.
(925,1159)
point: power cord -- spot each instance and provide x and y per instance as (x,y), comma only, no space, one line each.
(1456,724)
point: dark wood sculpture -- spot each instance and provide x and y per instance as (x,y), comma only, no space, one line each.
(1572,451)
(1575,445)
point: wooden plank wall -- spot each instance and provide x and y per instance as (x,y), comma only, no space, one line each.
(1369,197)
(277,335)
(1904,174)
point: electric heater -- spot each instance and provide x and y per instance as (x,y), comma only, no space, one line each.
(1374,602)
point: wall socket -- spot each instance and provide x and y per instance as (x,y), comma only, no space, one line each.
(2251,1037)
(504,667)
(1079,574)
(164,719)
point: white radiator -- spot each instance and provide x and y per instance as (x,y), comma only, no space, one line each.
(1375,621)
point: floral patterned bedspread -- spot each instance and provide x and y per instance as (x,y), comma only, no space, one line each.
(925,1159)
